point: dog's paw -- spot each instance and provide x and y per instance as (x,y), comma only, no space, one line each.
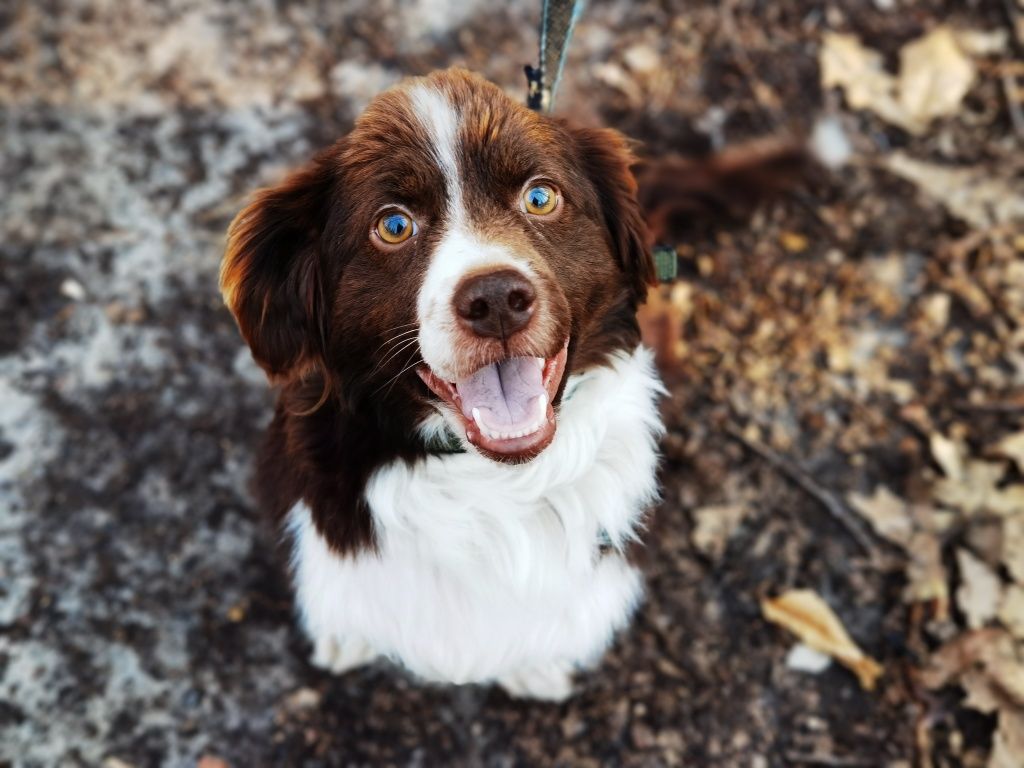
(339,656)
(548,682)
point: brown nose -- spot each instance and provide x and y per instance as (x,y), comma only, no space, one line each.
(495,304)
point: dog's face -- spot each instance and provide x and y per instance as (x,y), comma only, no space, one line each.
(456,252)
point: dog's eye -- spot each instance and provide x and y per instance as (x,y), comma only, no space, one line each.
(540,199)
(395,227)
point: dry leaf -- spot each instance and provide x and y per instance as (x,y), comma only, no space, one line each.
(982,42)
(1013,546)
(982,694)
(989,651)
(978,595)
(980,195)
(978,488)
(888,514)
(935,75)
(807,616)
(948,454)
(915,528)
(714,526)
(1012,447)
(1011,610)
(1008,744)
(860,72)
(926,575)
(962,653)
(793,242)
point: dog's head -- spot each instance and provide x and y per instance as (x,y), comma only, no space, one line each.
(456,252)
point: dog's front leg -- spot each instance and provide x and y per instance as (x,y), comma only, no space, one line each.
(340,655)
(549,682)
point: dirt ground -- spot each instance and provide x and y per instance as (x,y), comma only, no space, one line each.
(846,371)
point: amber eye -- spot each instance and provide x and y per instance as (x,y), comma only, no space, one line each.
(395,227)
(540,199)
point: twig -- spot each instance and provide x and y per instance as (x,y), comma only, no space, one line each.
(832,761)
(1008,406)
(1013,103)
(826,498)
(1010,88)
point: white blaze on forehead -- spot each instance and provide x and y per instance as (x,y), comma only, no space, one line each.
(441,123)
(459,250)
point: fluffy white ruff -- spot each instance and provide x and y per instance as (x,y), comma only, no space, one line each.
(490,572)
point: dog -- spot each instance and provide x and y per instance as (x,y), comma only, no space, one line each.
(466,437)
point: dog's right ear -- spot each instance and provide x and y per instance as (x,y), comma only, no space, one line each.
(272,273)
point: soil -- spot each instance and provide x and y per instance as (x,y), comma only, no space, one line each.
(145,615)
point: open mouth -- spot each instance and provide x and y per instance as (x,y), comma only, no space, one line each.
(506,406)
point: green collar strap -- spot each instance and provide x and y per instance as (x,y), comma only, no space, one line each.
(666,265)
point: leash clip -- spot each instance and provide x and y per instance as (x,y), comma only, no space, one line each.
(557,21)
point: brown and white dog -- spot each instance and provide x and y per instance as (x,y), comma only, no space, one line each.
(466,436)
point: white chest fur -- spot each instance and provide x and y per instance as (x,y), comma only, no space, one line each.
(486,571)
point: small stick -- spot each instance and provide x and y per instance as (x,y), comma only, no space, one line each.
(1008,406)
(829,760)
(826,498)
(1013,103)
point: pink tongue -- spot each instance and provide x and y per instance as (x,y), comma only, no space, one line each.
(503,391)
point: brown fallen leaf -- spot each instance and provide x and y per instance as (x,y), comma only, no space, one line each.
(860,72)
(926,574)
(1008,744)
(979,591)
(992,652)
(1012,447)
(917,529)
(888,514)
(948,454)
(973,486)
(715,525)
(935,75)
(1013,546)
(983,196)
(805,614)
(1011,610)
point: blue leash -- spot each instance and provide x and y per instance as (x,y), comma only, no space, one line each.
(557,21)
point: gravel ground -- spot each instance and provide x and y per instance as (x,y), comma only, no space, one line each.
(145,617)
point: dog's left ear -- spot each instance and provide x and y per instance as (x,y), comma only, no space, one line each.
(607,159)
(272,273)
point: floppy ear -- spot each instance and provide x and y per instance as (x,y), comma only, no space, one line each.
(271,274)
(607,160)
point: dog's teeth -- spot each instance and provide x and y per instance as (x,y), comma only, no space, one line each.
(476,417)
(542,405)
(540,362)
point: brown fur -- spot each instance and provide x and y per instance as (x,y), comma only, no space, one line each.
(316,300)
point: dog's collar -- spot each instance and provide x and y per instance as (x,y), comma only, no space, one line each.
(444,444)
